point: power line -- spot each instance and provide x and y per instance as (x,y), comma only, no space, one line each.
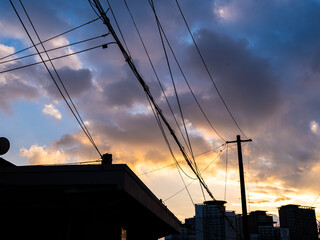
(215,159)
(175,89)
(51,38)
(157,169)
(155,73)
(207,70)
(91,4)
(79,121)
(156,115)
(167,140)
(182,189)
(82,125)
(315,200)
(222,212)
(168,144)
(115,19)
(208,151)
(185,78)
(169,165)
(145,87)
(147,91)
(56,48)
(67,55)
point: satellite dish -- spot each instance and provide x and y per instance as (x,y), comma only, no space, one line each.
(4,145)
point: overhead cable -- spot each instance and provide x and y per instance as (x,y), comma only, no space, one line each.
(315,200)
(208,151)
(53,49)
(119,29)
(169,165)
(207,70)
(175,91)
(157,169)
(176,162)
(184,76)
(214,160)
(77,115)
(55,58)
(172,154)
(147,91)
(51,38)
(156,74)
(79,121)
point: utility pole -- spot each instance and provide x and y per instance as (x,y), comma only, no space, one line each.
(243,188)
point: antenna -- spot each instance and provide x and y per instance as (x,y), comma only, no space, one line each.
(4,145)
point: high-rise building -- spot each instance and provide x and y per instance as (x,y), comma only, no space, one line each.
(210,221)
(273,233)
(301,221)
(234,230)
(258,218)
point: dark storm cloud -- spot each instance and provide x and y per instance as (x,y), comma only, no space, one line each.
(66,140)
(274,105)
(246,80)
(76,82)
(284,31)
(127,91)
(75,147)
(288,142)
(123,92)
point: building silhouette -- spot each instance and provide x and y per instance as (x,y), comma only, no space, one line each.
(301,221)
(257,219)
(188,231)
(236,221)
(80,202)
(210,221)
(261,227)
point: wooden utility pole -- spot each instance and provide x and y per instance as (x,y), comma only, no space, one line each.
(243,188)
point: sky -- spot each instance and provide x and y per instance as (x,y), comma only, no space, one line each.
(264,59)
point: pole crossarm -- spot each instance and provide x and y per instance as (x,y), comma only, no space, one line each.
(248,140)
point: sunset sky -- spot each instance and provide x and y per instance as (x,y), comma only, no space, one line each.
(264,57)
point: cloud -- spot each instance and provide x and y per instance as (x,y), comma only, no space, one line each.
(50,110)
(127,92)
(77,82)
(41,155)
(78,148)
(245,78)
(72,61)
(12,89)
(265,64)
(314,127)
(6,50)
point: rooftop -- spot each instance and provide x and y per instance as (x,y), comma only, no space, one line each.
(112,194)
